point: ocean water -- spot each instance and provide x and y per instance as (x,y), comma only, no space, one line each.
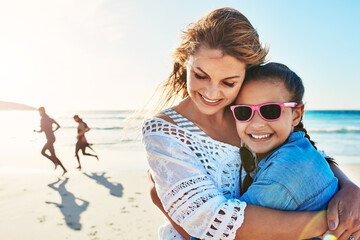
(335,132)
(106,128)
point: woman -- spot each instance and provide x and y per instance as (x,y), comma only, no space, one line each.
(193,147)
(82,143)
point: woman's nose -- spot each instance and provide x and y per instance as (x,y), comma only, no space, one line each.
(212,91)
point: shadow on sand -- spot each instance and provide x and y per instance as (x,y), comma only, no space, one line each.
(68,207)
(116,189)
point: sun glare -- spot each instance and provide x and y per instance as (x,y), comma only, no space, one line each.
(17,127)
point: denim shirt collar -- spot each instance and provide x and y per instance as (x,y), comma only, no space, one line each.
(292,138)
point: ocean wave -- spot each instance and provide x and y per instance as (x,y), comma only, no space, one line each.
(335,130)
(107,117)
(107,128)
(96,128)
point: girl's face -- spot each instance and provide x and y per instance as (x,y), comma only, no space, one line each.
(213,79)
(262,136)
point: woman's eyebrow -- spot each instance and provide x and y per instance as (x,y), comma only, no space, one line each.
(199,68)
(227,78)
(236,76)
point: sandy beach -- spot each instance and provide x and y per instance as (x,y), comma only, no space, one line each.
(103,201)
(108,199)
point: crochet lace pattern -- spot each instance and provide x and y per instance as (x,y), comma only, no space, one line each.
(218,184)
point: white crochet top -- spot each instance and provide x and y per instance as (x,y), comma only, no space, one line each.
(196,178)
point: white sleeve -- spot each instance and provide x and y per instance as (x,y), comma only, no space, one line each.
(187,193)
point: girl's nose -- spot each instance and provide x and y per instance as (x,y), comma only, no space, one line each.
(257,122)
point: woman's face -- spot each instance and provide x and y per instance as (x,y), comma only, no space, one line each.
(213,79)
(262,136)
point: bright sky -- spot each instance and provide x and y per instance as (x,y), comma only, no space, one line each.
(111,54)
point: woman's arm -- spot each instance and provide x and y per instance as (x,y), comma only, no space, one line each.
(155,199)
(57,126)
(343,213)
(187,193)
(265,223)
(83,129)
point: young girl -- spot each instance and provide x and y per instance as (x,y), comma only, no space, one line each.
(291,174)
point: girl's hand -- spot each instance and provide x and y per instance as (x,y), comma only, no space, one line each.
(343,213)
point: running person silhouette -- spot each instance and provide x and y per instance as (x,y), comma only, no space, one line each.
(82,143)
(46,126)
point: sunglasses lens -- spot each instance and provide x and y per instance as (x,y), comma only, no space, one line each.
(242,113)
(271,111)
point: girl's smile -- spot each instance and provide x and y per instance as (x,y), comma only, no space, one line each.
(258,137)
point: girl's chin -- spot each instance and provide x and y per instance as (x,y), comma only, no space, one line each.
(260,151)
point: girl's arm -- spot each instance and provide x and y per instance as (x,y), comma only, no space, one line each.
(344,208)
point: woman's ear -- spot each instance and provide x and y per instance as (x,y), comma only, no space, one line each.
(298,114)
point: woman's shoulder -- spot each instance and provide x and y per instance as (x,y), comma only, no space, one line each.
(159,130)
(160,124)
(163,116)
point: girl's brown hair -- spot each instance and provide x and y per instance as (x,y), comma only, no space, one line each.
(279,72)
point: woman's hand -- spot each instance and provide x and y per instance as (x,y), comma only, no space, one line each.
(343,214)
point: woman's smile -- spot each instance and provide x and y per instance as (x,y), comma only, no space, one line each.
(210,102)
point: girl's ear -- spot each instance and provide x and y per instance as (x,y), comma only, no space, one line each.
(298,114)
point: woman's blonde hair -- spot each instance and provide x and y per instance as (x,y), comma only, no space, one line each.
(225,29)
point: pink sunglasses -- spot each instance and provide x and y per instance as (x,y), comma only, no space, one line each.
(267,111)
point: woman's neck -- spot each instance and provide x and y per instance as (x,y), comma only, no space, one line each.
(188,109)
(219,126)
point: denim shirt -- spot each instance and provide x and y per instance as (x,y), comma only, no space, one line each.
(293,177)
